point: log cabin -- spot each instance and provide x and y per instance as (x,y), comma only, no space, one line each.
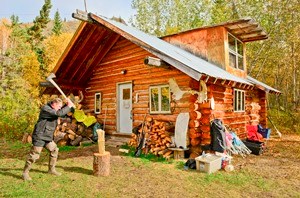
(125,73)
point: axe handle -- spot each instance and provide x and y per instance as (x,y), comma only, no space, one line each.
(57,87)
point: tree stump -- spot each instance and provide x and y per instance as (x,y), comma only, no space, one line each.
(101,165)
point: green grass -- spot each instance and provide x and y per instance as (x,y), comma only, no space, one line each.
(145,157)
(144,176)
(66,148)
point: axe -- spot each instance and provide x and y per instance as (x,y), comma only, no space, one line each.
(50,79)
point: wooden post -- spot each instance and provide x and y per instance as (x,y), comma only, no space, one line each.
(101,165)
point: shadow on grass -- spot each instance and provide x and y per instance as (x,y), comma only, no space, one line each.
(77,170)
(6,172)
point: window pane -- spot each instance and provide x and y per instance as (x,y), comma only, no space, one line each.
(240,48)
(232,60)
(154,99)
(235,100)
(165,99)
(97,103)
(239,101)
(126,94)
(240,63)
(231,42)
(243,101)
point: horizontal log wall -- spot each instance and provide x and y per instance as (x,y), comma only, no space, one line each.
(128,56)
(255,108)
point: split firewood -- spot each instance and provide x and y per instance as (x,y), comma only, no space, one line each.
(76,141)
(80,129)
(59,136)
(71,132)
(157,138)
(71,136)
(62,142)
(168,153)
(63,127)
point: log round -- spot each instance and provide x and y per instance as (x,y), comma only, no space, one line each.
(101,164)
(206,135)
(194,123)
(195,141)
(205,128)
(193,134)
(195,115)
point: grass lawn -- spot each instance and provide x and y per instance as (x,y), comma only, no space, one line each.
(273,174)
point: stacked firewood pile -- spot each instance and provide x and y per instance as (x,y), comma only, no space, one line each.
(68,132)
(75,129)
(71,132)
(153,137)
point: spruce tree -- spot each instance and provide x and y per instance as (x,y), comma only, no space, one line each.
(36,36)
(40,23)
(57,28)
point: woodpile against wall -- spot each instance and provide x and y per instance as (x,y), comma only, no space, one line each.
(155,137)
(68,132)
(71,132)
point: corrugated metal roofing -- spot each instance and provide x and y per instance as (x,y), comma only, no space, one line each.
(99,35)
(186,62)
(262,85)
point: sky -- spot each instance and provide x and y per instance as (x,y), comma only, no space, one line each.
(27,10)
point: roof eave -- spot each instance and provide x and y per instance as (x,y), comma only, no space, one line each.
(263,86)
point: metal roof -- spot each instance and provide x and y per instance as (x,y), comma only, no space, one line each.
(186,62)
(94,39)
(262,85)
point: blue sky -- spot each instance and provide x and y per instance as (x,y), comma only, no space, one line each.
(27,10)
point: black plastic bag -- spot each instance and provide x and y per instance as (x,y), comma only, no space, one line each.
(95,134)
(191,163)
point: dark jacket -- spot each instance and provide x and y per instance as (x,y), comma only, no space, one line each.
(47,122)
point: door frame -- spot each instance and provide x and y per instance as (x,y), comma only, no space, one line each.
(117,103)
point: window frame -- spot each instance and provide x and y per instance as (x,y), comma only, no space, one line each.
(159,87)
(239,97)
(97,110)
(235,52)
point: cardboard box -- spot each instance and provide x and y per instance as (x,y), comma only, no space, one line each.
(208,163)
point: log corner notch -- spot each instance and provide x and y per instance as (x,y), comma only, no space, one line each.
(156,62)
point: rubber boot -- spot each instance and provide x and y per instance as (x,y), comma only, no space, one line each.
(52,170)
(33,155)
(25,174)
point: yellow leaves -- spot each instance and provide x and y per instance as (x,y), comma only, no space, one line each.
(4,35)
(54,47)
(31,69)
(165,92)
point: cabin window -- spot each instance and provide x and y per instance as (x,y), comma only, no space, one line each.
(160,99)
(239,100)
(97,105)
(236,51)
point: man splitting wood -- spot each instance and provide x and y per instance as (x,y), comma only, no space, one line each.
(42,135)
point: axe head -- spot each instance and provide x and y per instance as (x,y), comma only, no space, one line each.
(50,77)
